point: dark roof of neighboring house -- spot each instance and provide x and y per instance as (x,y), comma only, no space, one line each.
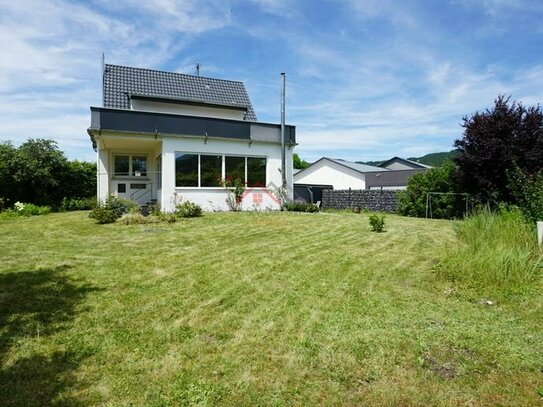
(361,168)
(407,162)
(356,166)
(123,82)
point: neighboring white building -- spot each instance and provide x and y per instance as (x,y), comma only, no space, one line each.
(162,134)
(341,174)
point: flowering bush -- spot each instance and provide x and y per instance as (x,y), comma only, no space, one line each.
(27,209)
(235,188)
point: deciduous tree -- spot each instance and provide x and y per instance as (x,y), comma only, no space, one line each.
(494,142)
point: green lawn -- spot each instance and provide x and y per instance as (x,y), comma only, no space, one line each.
(253,309)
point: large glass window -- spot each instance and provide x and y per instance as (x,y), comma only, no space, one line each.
(210,170)
(206,171)
(122,165)
(234,168)
(186,170)
(256,172)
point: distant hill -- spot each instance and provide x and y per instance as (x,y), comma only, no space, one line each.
(432,159)
(435,159)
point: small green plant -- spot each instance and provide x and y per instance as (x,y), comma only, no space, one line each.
(377,222)
(188,209)
(112,209)
(155,210)
(301,207)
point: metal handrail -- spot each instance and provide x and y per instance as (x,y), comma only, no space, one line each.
(134,195)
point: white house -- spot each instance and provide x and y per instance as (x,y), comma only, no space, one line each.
(164,134)
(340,174)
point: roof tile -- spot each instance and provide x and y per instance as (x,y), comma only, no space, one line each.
(121,81)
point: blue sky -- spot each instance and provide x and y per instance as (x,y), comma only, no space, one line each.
(366,79)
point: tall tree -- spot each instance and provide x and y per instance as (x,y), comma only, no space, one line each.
(7,151)
(79,181)
(494,142)
(298,163)
(38,168)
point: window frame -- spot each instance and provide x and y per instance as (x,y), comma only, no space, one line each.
(223,169)
(131,174)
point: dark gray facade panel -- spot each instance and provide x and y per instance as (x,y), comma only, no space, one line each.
(146,122)
(95,120)
(393,178)
(151,122)
(290,134)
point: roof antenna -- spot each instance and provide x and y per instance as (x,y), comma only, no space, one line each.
(103,78)
(198,68)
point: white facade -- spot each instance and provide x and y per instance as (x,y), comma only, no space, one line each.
(326,172)
(215,198)
(160,176)
(180,136)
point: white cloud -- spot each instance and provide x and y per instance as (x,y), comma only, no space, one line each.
(50,69)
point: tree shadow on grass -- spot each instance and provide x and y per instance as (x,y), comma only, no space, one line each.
(33,306)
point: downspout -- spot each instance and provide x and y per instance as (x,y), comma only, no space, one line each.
(103,79)
(283,164)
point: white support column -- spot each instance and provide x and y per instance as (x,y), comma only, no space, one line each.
(102,166)
(168,176)
(539,233)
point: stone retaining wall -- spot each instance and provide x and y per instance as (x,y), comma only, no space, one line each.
(371,199)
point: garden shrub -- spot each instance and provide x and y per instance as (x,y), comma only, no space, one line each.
(527,192)
(377,222)
(188,209)
(301,207)
(77,204)
(103,215)
(412,200)
(27,209)
(112,209)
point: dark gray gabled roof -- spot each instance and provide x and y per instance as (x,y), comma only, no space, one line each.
(405,161)
(122,82)
(357,166)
